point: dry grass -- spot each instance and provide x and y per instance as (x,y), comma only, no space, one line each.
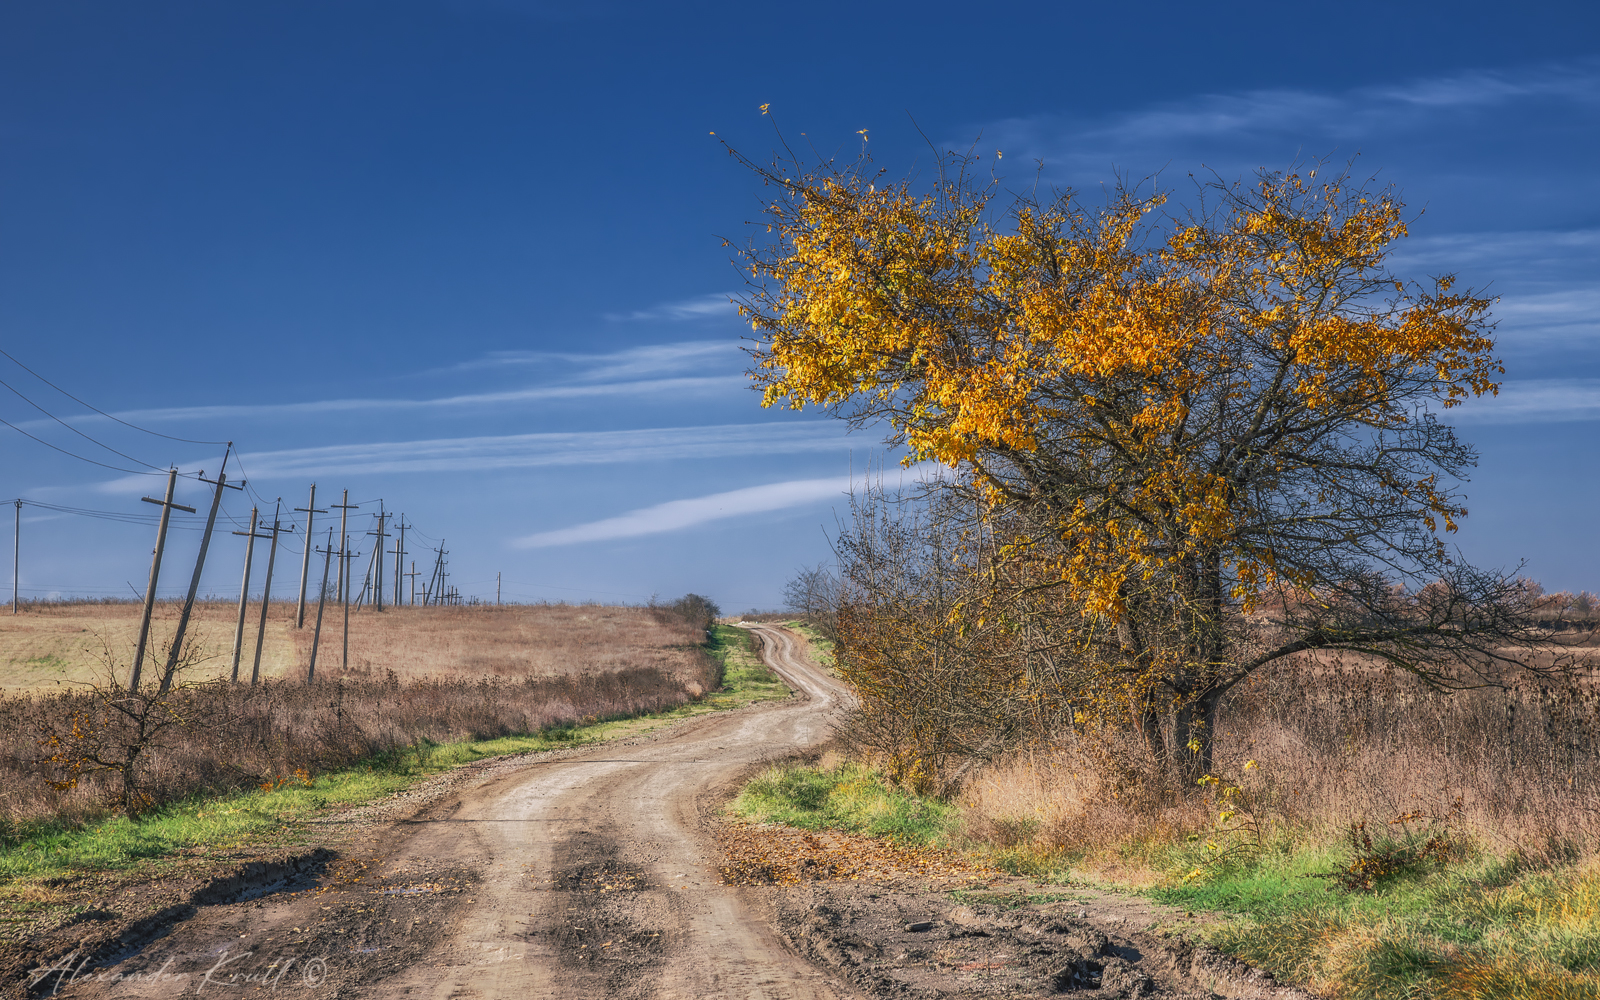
(782,855)
(417,676)
(66,642)
(1517,770)
(507,641)
(51,642)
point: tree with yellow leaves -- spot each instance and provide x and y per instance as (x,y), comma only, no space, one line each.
(1214,434)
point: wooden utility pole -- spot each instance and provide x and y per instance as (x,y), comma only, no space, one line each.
(155,573)
(366,581)
(376,576)
(266,593)
(244,589)
(399,551)
(176,649)
(311,511)
(322,600)
(413,577)
(344,508)
(497,587)
(435,592)
(345,555)
(16,560)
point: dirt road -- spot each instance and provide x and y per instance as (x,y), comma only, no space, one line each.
(586,876)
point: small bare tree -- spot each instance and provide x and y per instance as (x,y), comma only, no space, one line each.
(120,730)
(813,594)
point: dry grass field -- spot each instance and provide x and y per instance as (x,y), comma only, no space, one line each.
(50,643)
(73,743)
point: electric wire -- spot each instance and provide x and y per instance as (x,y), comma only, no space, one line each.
(63,423)
(47,444)
(96,409)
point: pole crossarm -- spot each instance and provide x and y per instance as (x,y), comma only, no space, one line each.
(167,503)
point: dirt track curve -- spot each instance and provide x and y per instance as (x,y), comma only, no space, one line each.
(589,875)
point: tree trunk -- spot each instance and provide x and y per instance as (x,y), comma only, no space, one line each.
(1146,716)
(1196,734)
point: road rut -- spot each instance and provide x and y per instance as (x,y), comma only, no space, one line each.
(608,854)
(587,875)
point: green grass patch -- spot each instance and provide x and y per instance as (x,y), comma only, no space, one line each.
(1476,928)
(280,816)
(849,797)
(857,799)
(744,677)
(819,648)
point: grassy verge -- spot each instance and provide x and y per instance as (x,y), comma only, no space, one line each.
(280,816)
(848,797)
(819,648)
(744,677)
(1473,927)
(857,799)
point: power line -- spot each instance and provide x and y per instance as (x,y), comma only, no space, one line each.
(74,430)
(96,409)
(47,444)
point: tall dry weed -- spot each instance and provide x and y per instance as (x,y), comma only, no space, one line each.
(1319,747)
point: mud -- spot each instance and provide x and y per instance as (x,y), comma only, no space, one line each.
(925,946)
(596,926)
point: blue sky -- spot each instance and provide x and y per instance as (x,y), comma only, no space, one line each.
(465,255)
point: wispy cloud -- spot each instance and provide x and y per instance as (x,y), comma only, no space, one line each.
(683,369)
(1530,253)
(687,386)
(630,363)
(1532,401)
(1552,315)
(524,451)
(675,515)
(1216,126)
(678,514)
(700,307)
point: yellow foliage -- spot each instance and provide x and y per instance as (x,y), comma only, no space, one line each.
(1068,340)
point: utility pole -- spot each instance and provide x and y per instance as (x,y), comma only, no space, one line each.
(413,576)
(16,560)
(399,551)
(376,576)
(435,591)
(497,588)
(443,576)
(155,572)
(311,511)
(366,581)
(266,593)
(345,555)
(322,600)
(344,508)
(244,590)
(194,582)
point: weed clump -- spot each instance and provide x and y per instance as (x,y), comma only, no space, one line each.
(1372,865)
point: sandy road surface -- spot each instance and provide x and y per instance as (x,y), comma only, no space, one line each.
(585,876)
